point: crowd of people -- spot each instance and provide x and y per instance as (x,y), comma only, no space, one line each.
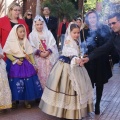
(31,67)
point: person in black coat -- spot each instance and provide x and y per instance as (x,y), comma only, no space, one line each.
(51,22)
(98,69)
(114,43)
(28,19)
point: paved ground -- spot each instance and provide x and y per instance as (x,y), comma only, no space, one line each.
(110,105)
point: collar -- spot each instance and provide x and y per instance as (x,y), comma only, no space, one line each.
(47,17)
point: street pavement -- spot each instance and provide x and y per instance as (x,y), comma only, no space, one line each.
(110,105)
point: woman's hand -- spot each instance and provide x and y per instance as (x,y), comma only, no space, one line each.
(85,56)
(19,62)
(83,61)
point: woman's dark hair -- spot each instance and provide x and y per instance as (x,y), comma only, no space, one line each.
(87,14)
(72,26)
(80,19)
(45,7)
(19,26)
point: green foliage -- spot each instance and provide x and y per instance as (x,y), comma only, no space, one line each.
(90,4)
(60,8)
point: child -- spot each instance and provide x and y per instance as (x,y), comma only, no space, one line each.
(68,92)
(23,79)
(45,49)
(5,93)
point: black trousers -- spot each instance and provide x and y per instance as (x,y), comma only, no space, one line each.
(99,92)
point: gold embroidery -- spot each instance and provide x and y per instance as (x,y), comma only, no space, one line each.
(23,49)
(5,106)
(41,47)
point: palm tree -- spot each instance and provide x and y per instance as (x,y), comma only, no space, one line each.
(60,8)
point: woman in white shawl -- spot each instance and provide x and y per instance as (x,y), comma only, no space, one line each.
(68,92)
(5,93)
(45,49)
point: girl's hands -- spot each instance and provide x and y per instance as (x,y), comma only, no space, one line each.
(19,62)
(44,54)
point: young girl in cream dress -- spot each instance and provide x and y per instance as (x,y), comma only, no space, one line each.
(68,92)
(5,93)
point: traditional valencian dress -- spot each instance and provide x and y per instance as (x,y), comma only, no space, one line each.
(43,42)
(5,93)
(23,79)
(68,92)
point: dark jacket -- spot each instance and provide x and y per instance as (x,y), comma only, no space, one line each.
(98,69)
(114,43)
(29,22)
(52,25)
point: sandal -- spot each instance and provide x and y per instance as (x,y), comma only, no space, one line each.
(37,100)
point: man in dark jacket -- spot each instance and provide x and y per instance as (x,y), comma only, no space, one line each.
(114,23)
(51,22)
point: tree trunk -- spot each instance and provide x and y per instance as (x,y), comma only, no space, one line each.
(38,7)
(80,5)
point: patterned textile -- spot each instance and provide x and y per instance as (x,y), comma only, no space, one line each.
(44,66)
(59,97)
(68,92)
(24,82)
(5,93)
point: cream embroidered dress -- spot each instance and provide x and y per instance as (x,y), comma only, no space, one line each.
(5,93)
(68,92)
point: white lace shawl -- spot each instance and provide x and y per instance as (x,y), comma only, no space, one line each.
(34,38)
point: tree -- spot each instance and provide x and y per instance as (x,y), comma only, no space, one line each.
(90,4)
(60,8)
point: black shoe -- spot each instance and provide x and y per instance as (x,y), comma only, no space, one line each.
(37,100)
(14,105)
(17,102)
(97,109)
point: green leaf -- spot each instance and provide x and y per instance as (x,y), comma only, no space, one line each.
(60,8)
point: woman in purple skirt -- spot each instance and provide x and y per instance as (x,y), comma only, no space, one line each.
(22,75)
